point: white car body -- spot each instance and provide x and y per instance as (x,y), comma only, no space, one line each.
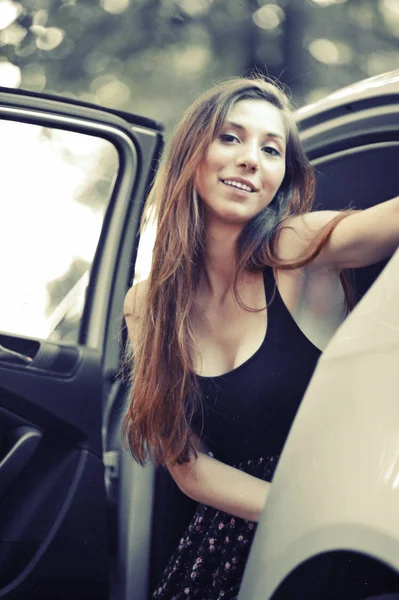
(337,483)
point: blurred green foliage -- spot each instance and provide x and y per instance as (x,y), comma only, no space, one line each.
(153,57)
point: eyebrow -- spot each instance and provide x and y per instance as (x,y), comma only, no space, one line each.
(267,134)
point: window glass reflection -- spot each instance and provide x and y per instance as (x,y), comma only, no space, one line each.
(55,188)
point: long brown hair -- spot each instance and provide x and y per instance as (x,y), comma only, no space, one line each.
(164,395)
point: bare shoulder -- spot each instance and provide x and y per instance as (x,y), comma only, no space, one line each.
(135,299)
(133,308)
(299,231)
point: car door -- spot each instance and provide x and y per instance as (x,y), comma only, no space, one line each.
(74,179)
(346,547)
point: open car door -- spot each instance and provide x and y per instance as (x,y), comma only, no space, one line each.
(74,180)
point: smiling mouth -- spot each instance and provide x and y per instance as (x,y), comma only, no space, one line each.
(238,185)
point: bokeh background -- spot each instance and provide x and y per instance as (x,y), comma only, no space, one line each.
(153,57)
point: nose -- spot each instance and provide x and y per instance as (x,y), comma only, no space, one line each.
(248,158)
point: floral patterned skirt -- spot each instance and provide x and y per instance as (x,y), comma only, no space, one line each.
(210,559)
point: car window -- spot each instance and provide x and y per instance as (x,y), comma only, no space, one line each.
(55,188)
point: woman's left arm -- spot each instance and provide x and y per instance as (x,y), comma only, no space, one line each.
(365,237)
(362,238)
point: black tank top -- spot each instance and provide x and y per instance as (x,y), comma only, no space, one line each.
(247,412)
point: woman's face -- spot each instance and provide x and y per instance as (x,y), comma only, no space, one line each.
(245,164)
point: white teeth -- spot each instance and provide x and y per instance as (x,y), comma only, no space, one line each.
(237,184)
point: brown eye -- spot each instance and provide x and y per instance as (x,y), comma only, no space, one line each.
(272,151)
(228,138)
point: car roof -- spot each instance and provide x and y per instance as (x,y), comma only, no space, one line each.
(372,92)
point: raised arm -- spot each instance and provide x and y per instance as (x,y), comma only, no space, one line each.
(366,237)
(363,238)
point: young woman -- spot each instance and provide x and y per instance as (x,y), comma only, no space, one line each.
(245,291)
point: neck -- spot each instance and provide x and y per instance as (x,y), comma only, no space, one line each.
(219,260)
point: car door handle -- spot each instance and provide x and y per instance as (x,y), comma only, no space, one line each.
(15,357)
(25,444)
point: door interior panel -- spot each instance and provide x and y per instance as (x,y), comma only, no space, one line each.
(53,525)
(42,356)
(41,396)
